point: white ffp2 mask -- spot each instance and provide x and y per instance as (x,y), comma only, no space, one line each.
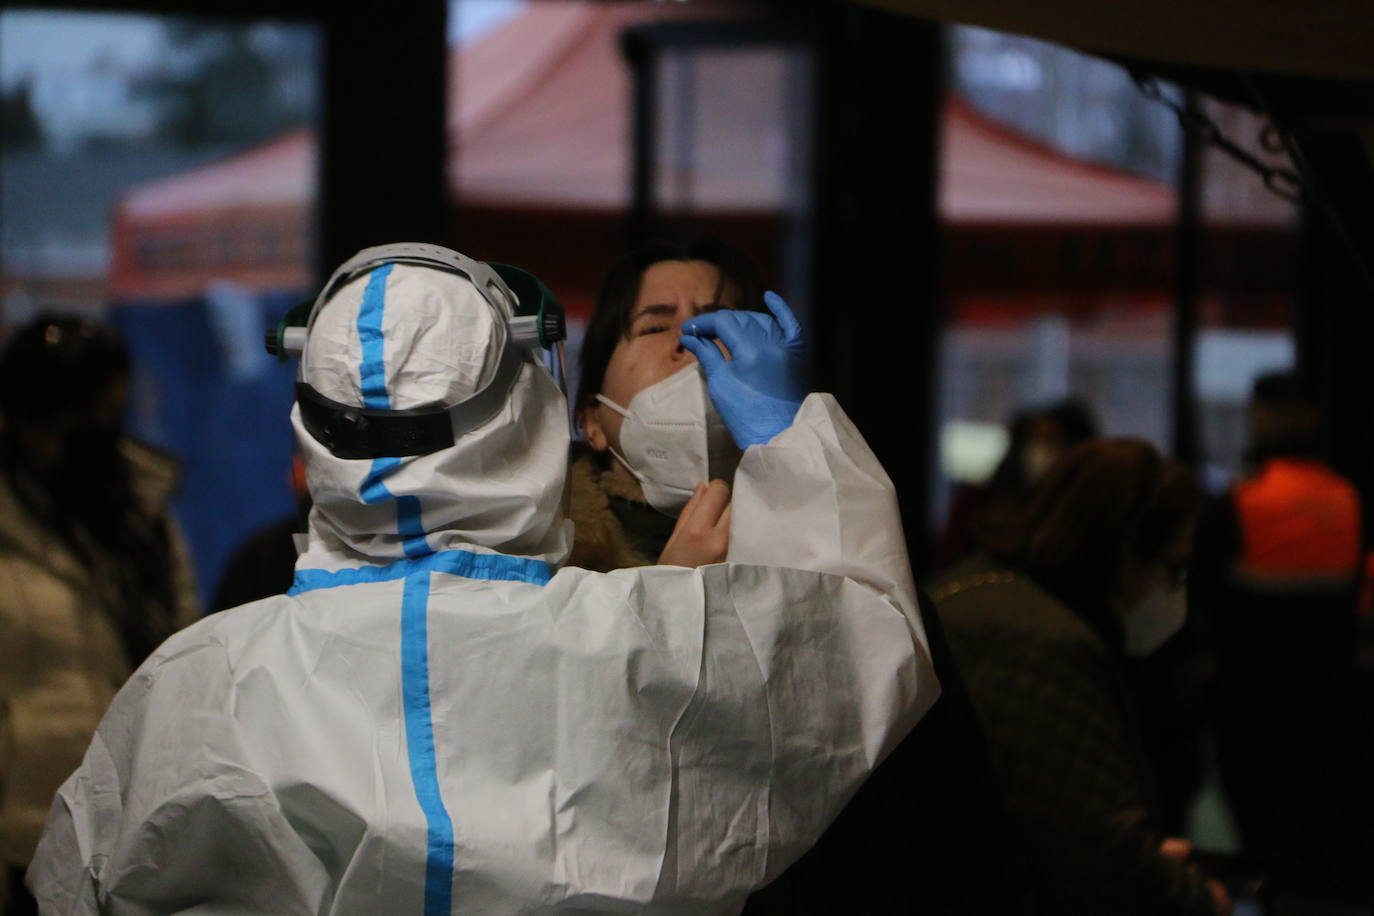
(1155,618)
(673,439)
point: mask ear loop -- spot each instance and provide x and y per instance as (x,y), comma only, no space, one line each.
(613,405)
(619,457)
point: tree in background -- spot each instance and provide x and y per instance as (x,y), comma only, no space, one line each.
(230,84)
(20,128)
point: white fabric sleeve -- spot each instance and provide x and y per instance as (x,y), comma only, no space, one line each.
(166,812)
(810,636)
(816,498)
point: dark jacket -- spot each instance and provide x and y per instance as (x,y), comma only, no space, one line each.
(1052,700)
(1273,589)
(925,834)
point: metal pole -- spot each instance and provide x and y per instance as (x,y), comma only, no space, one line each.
(877,237)
(389,185)
(1187,292)
(643,58)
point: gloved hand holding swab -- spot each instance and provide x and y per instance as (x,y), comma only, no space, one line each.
(762,384)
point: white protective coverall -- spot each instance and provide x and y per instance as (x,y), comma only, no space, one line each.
(437,719)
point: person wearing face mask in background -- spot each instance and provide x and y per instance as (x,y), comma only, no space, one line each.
(652,484)
(1037,437)
(93,571)
(1088,574)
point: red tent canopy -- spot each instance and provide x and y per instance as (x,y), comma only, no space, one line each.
(993,176)
(540,117)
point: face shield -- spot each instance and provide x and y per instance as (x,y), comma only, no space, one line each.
(526,318)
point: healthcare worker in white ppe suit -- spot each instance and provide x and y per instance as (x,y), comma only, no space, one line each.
(437,718)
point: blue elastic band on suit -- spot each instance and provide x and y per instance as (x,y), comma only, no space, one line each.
(408,523)
(494,567)
(424,769)
(424,775)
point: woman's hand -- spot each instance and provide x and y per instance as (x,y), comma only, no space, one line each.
(702,533)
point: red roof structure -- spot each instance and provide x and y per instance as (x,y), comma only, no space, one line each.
(540,122)
(993,176)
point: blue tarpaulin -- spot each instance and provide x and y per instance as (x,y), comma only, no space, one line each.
(207,392)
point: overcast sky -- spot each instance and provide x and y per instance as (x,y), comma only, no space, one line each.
(47,42)
(37,41)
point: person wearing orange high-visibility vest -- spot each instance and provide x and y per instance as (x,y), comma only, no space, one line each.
(1275,578)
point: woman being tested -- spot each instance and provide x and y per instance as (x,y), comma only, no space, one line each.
(653,484)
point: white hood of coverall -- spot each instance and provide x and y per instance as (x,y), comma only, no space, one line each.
(497,489)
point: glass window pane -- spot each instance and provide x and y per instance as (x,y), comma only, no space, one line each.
(1058,205)
(1250,288)
(540,130)
(159,173)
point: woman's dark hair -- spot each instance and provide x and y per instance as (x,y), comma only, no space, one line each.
(1104,501)
(611,312)
(58,363)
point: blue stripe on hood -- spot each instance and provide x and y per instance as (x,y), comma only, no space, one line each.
(424,770)
(372,381)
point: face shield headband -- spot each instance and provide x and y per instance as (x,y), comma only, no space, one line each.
(530,318)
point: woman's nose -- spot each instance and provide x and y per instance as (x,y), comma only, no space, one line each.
(680,353)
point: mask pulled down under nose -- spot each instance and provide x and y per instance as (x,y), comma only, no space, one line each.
(673,439)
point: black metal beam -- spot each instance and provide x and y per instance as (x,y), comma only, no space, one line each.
(383,156)
(641,55)
(1187,293)
(877,239)
(1336,317)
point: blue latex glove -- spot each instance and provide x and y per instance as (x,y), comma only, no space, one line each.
(759,389)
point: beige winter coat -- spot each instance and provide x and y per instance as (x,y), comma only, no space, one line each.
(61,659)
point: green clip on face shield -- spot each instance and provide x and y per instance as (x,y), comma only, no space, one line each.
(530,316)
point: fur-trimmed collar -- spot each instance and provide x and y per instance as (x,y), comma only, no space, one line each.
(600,542)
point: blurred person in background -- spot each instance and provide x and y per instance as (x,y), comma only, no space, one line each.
(265,563)
(1275,581)
(1037,437)
(927,832)
(93,571)
(1089,571)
